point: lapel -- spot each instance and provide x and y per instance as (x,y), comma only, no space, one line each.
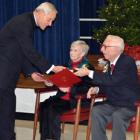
(107,68)
(119,61)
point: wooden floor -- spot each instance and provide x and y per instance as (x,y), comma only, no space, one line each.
(24,131)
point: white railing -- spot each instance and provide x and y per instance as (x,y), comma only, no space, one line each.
(92,19)
(89,20)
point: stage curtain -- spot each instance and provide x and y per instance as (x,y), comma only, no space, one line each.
(54,42)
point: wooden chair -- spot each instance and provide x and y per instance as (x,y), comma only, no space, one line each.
(39,91)
(75,115)
(134,125)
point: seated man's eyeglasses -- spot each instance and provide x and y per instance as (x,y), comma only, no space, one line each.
(105,47)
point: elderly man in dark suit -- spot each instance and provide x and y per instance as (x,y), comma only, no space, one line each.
(121,88)
(17,55)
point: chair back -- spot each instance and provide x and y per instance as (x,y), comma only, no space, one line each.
(134,125)
(76,115)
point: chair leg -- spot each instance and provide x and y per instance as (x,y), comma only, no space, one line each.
(89,120)
(78,109)
(63,125)
(88,129)
(36,114)
(137,127)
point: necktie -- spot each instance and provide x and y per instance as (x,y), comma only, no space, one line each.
(112,67)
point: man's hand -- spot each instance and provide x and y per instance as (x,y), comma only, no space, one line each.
(48,83)
(38,77)
(64,89)
(91,91)
(82,72)
(58,68)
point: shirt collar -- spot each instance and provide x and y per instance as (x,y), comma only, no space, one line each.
(115,60)
(35,20)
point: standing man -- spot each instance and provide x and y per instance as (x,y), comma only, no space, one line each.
(121,87)
(17,55)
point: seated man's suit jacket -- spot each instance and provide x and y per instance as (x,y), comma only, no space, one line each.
(122,86)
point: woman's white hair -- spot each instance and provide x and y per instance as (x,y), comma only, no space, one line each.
(46,7)
(84,46)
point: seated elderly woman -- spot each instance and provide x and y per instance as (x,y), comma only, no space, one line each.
(52,108)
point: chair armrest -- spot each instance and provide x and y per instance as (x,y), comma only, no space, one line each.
(100,95)
(84,96)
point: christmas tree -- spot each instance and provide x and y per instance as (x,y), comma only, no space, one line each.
(123,19)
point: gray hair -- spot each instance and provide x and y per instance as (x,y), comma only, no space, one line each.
(84,46)
(46,7)
(121,44)
(120,41)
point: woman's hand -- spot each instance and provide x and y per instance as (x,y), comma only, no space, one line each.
(58,69)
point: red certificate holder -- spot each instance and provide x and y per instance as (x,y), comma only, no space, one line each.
(64,78)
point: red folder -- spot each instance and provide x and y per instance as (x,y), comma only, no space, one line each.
(64,78)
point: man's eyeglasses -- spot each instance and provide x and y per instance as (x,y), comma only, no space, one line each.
(105,47)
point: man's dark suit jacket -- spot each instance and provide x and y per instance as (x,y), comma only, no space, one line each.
(122,87)
(16,50)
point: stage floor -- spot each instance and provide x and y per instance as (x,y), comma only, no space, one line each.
(24,131)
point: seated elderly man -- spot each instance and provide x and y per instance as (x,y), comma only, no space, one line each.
(52,108)
(120,84)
